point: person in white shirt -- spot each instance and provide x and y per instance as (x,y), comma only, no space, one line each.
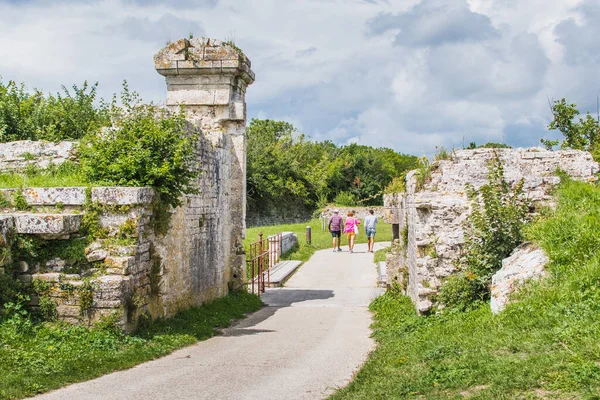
(370,224)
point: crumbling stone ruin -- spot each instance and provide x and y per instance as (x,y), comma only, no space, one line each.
(134,268)
(428,222)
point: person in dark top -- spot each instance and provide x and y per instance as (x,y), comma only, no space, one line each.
(335,227)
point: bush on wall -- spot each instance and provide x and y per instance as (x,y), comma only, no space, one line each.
(145,146)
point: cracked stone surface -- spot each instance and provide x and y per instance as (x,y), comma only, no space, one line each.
(527,262)
(47,224)
(434,216)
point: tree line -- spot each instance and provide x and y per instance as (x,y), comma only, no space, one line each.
(287,171)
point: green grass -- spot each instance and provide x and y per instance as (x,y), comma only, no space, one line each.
(321,239)
(544,346)
(380,254)
(35,358)
(67,174)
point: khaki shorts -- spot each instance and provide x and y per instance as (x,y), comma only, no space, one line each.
(350,235)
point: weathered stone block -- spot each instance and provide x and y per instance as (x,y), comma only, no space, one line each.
(207,97)
(123,264)
(122,195)
(68,196)
(97,255)
(55,264)
(527,262)
(70,313)
(111,288)
(51,225)
(48,277)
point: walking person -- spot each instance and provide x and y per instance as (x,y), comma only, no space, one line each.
(335,228)
(351,229)
(370,224)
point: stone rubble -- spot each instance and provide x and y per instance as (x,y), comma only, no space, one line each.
(434,216)
(527,262)
(17,156)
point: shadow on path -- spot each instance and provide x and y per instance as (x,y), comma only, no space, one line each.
(274,299)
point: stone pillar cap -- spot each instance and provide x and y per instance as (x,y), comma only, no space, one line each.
(203,56)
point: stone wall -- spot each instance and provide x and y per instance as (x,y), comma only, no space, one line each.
(430,221)
(132,268)
(359,212)
(115,270)
(16,156)
(255,220)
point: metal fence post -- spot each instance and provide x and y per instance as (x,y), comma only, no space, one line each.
(261,279)
(308,235)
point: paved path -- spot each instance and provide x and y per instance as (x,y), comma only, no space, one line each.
(310,340)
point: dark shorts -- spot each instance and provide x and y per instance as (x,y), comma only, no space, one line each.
(336,234)
(370,232)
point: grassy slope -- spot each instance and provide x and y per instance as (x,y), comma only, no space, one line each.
(321,239)
(547,345)
(37,358)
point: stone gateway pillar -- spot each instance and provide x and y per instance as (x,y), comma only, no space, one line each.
(202,254)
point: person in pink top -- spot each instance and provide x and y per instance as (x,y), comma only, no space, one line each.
(350,229)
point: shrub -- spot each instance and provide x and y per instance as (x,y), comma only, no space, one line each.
(48,309)
(19,201)
(462,291)
(145,147)
(489,145)
(398,185)
(17,309)
(345,199)
(492,145)
(10,286)
(28,115)
(495,225)
(442,153)
(423,173)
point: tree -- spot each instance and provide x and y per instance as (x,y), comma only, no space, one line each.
(580,135)
(288,172)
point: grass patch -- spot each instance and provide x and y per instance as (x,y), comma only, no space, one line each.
(321,239)
(67,174)
(380,254)
(543,346)
(35,358)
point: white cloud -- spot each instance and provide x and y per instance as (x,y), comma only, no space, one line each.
(404,74)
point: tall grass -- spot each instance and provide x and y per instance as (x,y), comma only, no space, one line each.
(543,346)
(67,174)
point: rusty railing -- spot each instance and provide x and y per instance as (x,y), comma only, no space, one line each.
(262,256)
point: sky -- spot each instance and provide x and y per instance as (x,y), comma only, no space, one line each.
(406,74)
